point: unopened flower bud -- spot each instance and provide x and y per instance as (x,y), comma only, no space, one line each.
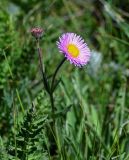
(37,32)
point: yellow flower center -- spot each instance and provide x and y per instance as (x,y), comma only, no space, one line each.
(73,50)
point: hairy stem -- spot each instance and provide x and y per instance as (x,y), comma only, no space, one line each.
(52,86)
(45,82)
(55,73)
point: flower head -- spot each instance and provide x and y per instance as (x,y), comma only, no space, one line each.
(74,49)
(37,32)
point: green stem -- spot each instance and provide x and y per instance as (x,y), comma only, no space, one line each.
(53,107)
(45,82)
(55,73)
(52,86)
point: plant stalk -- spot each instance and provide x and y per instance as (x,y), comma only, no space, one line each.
(52,86)
(42,68)
(55,73)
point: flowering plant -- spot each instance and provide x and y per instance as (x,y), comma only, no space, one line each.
(74,49)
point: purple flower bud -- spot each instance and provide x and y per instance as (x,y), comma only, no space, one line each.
(37,32)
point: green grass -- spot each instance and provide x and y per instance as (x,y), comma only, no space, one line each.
(92,121)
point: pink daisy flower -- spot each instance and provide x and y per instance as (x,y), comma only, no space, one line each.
(74,49)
